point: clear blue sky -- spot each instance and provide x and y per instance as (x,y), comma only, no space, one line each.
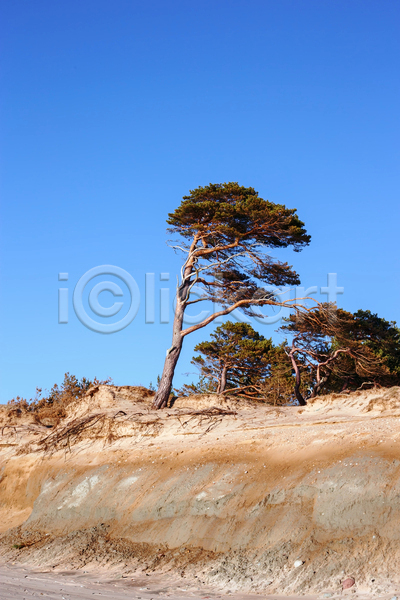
(112,111)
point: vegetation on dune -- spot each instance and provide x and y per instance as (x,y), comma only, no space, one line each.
(331,350)
(51,406)
(225,232)
(328,350)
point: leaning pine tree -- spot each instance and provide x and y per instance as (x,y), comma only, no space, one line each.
(224,232)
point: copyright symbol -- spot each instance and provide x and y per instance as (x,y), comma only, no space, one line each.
(94,303)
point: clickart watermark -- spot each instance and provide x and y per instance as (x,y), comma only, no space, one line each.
(93,303)
(106,299)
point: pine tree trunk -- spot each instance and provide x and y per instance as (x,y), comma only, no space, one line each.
(297,391)
(222,382)
(165,386)
(317,388)
(320,383)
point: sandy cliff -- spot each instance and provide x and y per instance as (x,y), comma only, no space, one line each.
(222,491)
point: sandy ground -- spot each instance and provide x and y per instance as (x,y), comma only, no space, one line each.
(17,583)
(220,495)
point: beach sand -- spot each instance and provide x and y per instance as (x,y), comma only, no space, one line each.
(18,583)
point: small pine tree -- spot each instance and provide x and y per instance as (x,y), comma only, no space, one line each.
(237,356)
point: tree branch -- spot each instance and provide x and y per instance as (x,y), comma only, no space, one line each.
(238,304)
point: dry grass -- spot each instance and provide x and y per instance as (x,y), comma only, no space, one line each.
(50,408)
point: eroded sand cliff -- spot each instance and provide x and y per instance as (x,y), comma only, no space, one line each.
(224,492)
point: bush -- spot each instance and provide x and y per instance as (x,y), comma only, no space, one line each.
(50,408)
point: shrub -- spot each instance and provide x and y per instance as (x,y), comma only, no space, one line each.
(50,408)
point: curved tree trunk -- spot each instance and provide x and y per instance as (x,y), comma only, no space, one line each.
(297,391)
(165,386)
(319,385)
(321,381)
(222,381)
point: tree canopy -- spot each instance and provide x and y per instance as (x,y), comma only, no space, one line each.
(229,228)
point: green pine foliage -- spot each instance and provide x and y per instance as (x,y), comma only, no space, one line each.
(228,228)
(253,366)
(238,348)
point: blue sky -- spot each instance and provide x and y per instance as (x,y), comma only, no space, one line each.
(112,111)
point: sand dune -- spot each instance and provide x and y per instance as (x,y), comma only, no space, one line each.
(222,495)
